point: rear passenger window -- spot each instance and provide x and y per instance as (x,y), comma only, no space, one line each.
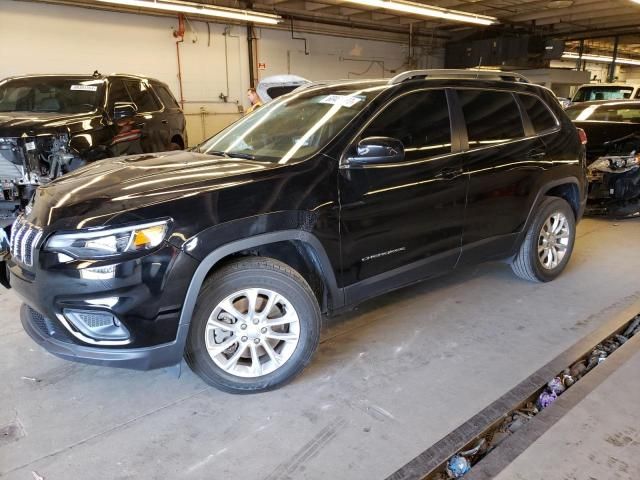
(166,97)
(491,117)
(541,118)
(142,96)
(420,120)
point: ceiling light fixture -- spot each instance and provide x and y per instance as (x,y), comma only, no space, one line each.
(560,4)
(428,11)
(197,9)
(600,58)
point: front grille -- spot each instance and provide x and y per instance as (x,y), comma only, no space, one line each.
(24,241)
(48,327)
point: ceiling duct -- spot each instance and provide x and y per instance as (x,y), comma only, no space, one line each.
(508,50)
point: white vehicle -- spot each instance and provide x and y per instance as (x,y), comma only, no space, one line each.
(606,91)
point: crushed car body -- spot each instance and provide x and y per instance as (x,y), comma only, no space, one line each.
(52,124)
(613,155)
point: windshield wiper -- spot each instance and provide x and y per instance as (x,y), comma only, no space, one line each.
(246,156)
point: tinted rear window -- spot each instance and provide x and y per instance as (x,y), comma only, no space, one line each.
(541,117)
(605,113)
(166,97)
(142,96)
(492,117)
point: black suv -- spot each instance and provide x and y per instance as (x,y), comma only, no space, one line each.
(228,254)
(52,124)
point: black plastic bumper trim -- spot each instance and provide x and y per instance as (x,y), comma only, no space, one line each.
(146,358)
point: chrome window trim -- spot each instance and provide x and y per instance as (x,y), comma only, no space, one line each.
(345,165)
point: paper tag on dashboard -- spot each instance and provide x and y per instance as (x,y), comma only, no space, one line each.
(85,88)
(342,100)
(30,146)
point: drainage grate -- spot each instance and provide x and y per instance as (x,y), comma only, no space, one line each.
(456,454)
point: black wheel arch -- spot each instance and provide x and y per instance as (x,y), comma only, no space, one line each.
(264,244)
(567,188)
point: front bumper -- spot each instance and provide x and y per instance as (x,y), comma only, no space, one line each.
(144,294)
(55,341)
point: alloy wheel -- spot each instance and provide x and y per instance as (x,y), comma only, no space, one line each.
(252,332)
(553,241)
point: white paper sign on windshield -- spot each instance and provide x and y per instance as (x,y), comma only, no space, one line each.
(342,100)
(85,88)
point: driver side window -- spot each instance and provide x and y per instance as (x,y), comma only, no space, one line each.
(420,120)
(117,93)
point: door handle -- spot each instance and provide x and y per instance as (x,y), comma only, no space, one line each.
(166,122)
(536,154)
(449,173)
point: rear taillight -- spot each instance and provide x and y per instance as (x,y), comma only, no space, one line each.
(583,136)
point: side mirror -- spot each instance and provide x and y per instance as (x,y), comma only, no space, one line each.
(124,110)
(377,150)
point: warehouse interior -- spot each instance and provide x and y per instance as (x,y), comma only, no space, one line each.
(417,383)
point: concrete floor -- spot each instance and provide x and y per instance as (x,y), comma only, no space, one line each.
(388,381)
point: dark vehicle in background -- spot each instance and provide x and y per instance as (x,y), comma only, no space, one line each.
(53,124)
(229,253)
(613,155)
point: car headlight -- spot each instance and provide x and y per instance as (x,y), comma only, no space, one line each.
(110,242)
(616,163)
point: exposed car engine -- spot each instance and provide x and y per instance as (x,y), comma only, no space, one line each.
(27,162)
(614,179)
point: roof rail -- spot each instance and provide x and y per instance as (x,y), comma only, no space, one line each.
(459,73)
(326,83)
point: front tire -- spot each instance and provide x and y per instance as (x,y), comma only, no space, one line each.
(548,245)
(255,327)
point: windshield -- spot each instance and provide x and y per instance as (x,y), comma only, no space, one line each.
(51,94)
(588,94)
(605,113)
(292,127)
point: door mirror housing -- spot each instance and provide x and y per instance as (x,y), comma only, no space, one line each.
(124,110)
(374,150)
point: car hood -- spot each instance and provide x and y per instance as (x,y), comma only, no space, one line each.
(97,193)
(17,124)
(602,135)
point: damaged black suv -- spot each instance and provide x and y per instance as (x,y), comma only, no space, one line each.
(52,124)
(229,254)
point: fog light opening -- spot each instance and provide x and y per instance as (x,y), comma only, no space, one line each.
(97,325)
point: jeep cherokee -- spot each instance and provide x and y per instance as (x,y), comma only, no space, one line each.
(229,254)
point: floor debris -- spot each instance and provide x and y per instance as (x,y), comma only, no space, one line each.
(36,476)
(462,462)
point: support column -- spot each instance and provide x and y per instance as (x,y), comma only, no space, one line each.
(580,52)
(612,66)
(250,50)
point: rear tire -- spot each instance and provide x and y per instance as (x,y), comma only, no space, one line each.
(255,327)
(548,245)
